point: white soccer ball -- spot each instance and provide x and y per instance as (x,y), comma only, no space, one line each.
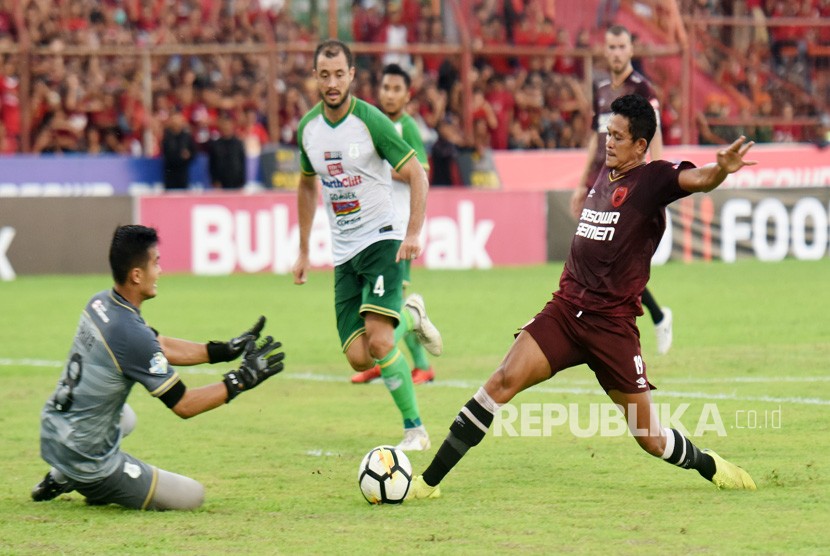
(384,475)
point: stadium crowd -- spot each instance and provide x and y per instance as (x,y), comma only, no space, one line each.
(94,103)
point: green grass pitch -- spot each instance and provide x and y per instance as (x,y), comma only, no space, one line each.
(280,463)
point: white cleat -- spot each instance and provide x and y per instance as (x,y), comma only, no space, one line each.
(663,330)
(427,333)
(414,440)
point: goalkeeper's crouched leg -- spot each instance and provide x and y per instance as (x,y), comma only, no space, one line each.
(176,492)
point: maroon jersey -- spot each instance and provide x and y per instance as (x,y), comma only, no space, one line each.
(604,95)
(619,229)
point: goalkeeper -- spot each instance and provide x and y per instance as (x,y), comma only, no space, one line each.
(84,420)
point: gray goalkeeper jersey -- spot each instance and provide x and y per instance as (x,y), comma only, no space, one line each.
(80,431)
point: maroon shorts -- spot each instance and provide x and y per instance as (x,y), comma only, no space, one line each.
(610,346)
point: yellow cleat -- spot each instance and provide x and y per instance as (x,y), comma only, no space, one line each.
(419,489)
(729,476)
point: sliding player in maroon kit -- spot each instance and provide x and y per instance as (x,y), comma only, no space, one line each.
(592,317)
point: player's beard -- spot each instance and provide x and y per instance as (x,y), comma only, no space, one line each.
(332,106)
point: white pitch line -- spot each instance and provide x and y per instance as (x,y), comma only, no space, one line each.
(471,385)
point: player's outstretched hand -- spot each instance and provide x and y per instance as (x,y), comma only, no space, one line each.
(228,351)
(258,364)
(731,159)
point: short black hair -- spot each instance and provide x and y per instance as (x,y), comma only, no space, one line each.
(642,122)
(330,48)
(618,30)
(395,69)
(130,248)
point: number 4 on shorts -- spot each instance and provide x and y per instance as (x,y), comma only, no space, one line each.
(379,290)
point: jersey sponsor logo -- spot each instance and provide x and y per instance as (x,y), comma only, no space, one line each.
(333,155)
(599,216)
(343,222)
(344,208)
(100,310)
(158,364)
(598,233)
(589,218)
(346,181)
(342,196)
(335,169)
(618,197)
(354,150)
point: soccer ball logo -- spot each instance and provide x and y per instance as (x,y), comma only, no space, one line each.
(384,475)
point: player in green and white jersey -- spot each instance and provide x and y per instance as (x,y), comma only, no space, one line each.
(86,417)
(393,98)
(350,145)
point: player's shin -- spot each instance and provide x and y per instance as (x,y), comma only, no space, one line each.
(396,374)
(467,430)
(680,451)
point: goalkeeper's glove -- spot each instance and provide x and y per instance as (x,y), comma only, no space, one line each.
(258,363)
(228,351)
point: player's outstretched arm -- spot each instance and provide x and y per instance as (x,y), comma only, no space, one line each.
(183,353)
(259,363)
(708,177)
(219,352)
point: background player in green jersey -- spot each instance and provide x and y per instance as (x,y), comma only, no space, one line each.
(350,145)
(84,420)
(393,98)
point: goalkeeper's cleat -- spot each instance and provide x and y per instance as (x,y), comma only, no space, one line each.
(729,476)
(419,376)
(419,489)
(663,331)
(49,489)
(366,376)
(425,331)
(415,439)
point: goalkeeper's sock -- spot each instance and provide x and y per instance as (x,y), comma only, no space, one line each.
(653,308)
(681,452)
(466,431)
(419,354)
(405,324)
(396,374)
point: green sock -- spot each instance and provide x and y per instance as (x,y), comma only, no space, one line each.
(397,376)
(405,324)
(419,354)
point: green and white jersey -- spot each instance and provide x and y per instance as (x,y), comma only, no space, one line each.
(408,130)
(350,157)
(80,433)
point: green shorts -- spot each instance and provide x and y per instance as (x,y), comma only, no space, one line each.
(370,282)
(406,272)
